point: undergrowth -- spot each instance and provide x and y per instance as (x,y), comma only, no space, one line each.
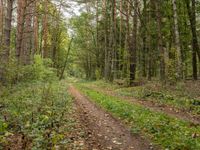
(37,114)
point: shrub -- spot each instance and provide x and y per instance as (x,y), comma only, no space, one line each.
(40,70)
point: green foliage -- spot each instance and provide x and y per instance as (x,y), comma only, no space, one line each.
(39,111)
(171,65)
(42,70)
(170,133)
(98,74)
(39,70)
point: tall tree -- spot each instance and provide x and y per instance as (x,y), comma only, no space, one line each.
(45,30)
(160,39)
(133,44)
(191,8)
(4,53)
(177,40)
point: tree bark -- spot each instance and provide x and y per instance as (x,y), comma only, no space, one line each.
(1,22)
(160,39)
(21,9)
(133,45)
(4,53)
(195,46)
(45,31)
(177,40)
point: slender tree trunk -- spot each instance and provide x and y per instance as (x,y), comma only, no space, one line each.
(133,45)
(114,44)
(45,31)
(28,31)
(4,53)
(36,29)
(106,61)
(121,43)
(195,46)
(1,22)
(66,60)
(160,39)
(177,40)
(144,40)
(127,40)
(21,14)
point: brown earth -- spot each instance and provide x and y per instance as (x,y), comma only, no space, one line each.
(105,132)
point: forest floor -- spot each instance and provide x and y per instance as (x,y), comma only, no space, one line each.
(82,115)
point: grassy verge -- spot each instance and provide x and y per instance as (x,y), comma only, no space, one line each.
(179,96)
(169,133)
(36,116)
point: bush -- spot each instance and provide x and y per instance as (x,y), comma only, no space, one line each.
(40,70)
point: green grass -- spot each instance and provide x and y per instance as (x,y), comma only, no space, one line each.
(176,96)
(39,111)
(169,133)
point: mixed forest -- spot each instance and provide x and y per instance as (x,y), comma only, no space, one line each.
(99,74)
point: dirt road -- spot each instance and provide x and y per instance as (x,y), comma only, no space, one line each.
(104,132)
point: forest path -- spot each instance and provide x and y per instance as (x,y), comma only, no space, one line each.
(104,131)
(154,106)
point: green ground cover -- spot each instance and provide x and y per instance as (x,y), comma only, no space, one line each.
(40,112)
(181,96)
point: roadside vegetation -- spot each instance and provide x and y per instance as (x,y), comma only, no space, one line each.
(184,96)
(37,113)
(165,131)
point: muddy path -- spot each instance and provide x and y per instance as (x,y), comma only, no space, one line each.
(103,131)
(152,105)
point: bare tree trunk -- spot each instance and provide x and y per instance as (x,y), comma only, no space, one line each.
(127,39)
(45,31)
(160,40)
(1,22)
(4,53)
(120,63)
(107,56)
(21,9)
(28,31)
(36,27)
(195,46)
(177,40)
(144,38)
(114,47)
(133,45)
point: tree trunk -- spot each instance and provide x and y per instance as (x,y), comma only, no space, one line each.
(133,45)
(35,28)
(195,46)
(106,57)
(160,40)
(28,31)
(21,9)
(45,31)
(4,55)
(177,40)
(144,37)
(1,22)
